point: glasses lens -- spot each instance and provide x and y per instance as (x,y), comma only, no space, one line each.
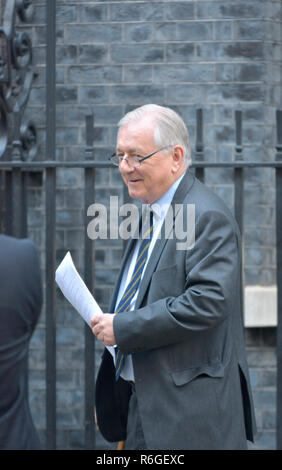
(133,162)
(115,159)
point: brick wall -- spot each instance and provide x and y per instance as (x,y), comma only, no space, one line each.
(113,56)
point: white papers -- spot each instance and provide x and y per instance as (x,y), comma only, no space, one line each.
(76,292)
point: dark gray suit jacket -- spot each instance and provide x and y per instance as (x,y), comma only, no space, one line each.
(186,339)
(20,305)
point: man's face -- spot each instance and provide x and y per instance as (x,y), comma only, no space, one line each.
(155,175)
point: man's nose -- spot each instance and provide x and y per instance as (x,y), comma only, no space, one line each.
(125,167)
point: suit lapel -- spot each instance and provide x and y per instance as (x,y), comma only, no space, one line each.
(127,255)
(179,196)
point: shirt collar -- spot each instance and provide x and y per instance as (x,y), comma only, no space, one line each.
(160,207)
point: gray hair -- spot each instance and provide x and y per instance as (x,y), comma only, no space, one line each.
(170,127)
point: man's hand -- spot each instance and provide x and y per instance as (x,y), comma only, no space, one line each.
(102,327)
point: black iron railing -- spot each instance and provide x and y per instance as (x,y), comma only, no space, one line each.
(89,165)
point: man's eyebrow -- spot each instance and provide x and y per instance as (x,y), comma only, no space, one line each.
(132,151)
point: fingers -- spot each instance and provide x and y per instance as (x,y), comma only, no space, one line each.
(97,326)
(102,328)
(95,320)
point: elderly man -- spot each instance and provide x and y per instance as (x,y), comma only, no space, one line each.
(180,378)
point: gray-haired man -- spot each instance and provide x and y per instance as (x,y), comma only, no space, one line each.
(183,379)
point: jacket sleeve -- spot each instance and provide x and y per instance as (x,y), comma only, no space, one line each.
(209,291)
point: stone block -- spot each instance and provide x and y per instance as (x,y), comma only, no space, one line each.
(166,31)
(37,96)
(217,51)
(224,134)
(254,377)
(139,32)
(194,31)
(268,378)
(93,95)
(244,29)
(183,73)
(232,10)
(95,74)
(262,216)
(224,73)
(66,14)
(93,33)
(269,419)
(246,50)
(264,399)
(76,439)
(67,218)
(92,13)
(66,94)
(231,93)
(106,276)
(138,94)
(182,94)
(67,134)
(183,52)
(34,218)
(223,30)
(93,53)
(144,11)
(101,135)
(37,405)
(132,53)
(138,73)
(180,11)
(68,337)
(68,379)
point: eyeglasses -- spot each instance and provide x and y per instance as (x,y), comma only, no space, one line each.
(134,161)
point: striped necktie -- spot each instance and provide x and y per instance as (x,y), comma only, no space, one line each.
(132,287)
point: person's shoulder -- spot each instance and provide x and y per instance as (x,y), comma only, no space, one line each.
(209,206)
(206,200)
(17,245)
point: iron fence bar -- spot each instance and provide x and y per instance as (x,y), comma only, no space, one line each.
(279,280)
(279,305)
(50,296)
(16,193)
(199,148)
(239,175)
(24,205)
(239,198)
(102,164)
(89,358)
(51,79)
(8,203)
(2,212)
(16,178)
(50,192)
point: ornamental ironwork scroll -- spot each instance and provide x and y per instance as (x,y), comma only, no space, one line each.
(18,140)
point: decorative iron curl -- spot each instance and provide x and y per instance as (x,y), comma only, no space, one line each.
(16,77)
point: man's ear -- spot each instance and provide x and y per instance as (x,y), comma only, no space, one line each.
(178,158)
